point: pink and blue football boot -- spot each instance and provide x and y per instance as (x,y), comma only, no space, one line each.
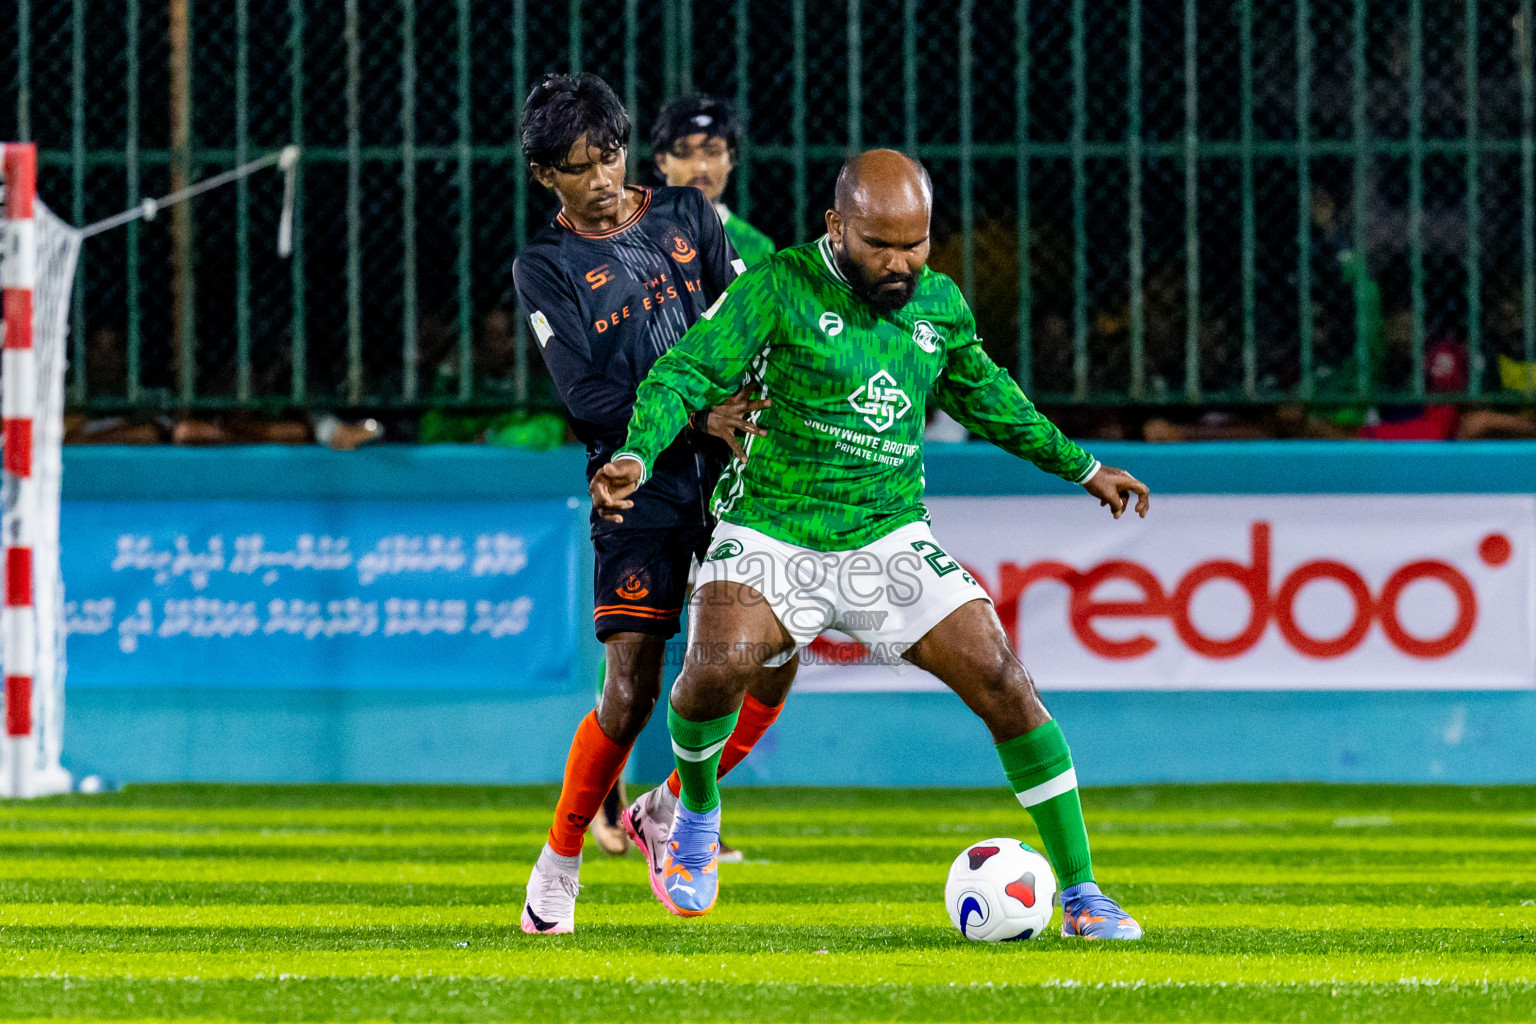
(1087,912)
(690,871)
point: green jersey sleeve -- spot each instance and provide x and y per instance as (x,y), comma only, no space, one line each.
(750,244)
(984,398)
(706,365)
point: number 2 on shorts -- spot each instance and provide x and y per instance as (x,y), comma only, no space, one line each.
(934,555)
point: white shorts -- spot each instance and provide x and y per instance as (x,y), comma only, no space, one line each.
(887,595)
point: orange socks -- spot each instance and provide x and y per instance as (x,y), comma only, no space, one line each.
(594,765)
(754,720)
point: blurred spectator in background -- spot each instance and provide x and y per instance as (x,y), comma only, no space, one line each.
(1504,342)
(1445,372)
(1213,425)
(695,140)
(493,383)
(271,374)
(106,368)
(994,296)
(1504,331)
(1336,317)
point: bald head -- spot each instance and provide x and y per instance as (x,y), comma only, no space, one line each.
(878,226)
(883,182)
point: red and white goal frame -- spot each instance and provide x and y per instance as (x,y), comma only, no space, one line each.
(38,254)
(37,267)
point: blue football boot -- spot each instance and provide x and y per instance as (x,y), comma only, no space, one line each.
(690,871)
(1087,912)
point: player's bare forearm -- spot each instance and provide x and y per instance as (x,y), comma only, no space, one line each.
(1114,487)
(611,487)
(729,420)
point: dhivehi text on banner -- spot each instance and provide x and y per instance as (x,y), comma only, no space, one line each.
(350,595)
(1242,592)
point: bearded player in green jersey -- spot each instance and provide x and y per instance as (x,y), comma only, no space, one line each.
(823,524)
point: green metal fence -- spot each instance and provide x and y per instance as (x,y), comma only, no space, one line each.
(1190,201)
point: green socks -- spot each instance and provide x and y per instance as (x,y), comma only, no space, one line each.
(697,747)
(1039,769)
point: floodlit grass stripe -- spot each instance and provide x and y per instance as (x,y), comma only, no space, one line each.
(985,806)
(488,1000)
(1054,963)
(139,1020)
(268,838)
(1319,891)
(179,1020)
(1328,904)
(797,915)
(1198,847)
(602,870)
(474,1001)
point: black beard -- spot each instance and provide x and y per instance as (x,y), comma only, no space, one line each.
(869,291)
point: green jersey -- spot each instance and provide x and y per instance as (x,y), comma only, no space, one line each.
(842,464)
(750,244)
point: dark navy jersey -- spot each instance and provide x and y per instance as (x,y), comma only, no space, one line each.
(604,306)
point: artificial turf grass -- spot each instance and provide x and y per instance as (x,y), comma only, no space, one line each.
(472,999)
(375,902)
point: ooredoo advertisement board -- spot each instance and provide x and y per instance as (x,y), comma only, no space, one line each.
(1215,592)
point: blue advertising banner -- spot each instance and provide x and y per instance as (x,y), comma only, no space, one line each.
(131,716)
(342,595)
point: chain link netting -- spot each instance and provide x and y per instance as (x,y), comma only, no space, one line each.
(1191,201)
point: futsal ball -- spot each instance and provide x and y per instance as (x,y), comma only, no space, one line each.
(1000,890)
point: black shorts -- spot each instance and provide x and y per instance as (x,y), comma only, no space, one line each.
(640,578)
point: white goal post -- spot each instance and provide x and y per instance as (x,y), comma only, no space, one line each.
(37,269)
(38,253)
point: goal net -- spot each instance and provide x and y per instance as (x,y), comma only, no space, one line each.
(37,269)
(38,252)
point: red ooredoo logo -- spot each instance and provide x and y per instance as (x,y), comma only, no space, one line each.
(1268,602)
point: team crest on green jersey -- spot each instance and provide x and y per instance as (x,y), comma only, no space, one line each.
(831,323)
(880,402)
(725,549)
(925,336)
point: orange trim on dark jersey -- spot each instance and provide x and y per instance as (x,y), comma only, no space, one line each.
(642,611)
(648,609)
(629,222)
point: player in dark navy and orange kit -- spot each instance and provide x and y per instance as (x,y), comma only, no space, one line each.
(608,287)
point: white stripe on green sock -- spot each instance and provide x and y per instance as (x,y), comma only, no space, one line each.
(696,748)
(1039,769)
(1048,789)
(697,755)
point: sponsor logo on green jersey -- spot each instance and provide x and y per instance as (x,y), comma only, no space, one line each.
(880,402)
